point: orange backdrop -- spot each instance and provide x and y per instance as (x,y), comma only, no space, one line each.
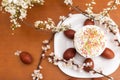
(29,39)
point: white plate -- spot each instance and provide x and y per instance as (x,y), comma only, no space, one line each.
(61,43)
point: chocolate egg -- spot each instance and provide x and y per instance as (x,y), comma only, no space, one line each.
(69,53)
(108,54)
(88,64)
(25,57)
(89,22)
(69,33)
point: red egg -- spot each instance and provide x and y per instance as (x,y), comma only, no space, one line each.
(89,64)
(25,57)
(69,33)
(69,53)
(108,54)
(89,22)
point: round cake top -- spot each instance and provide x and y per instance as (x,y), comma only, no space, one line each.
(89,41)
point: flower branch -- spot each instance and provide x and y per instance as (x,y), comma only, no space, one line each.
(70,63)
(18,9)
(109,78)
(46,46)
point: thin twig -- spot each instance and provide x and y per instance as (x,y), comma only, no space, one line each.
(110,8)
(110,78)
(26,23)
(40,60)
(43,52)
(79,10)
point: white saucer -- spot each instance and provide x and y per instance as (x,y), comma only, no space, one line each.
(61,43)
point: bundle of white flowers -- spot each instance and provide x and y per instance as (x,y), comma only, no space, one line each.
(18,9)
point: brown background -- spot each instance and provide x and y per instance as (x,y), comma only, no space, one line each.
(29,39)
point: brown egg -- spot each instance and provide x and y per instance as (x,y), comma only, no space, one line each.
(108,54)
(69,53)
(89,64)
(25,57)
(69,33)
(89,22)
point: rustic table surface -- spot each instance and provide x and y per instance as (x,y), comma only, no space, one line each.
(29,39)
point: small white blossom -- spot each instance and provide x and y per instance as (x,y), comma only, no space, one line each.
(45,25)
(110,3)
(52,54)
(17,53)
(45,41)
(55,63)
(50,60)
(93,2)
(41,2)
(61,28)
(37,75)
(68,2)
(48,46)
(36,24)
(44,48)
(55,58)
(62,17)
(70,14)
(43,55)
(90,7)
(40,67)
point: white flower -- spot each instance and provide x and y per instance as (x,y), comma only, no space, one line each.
(52,54)
(45,41)
(70,14)
(90,7)
(62,17)
(37,23)
(41,2)
(18,9)
(43,55)
(17,52)
(68,2)
(48,46)
(37,75)
(40,67)
(55,63)
(44,48)
(110,3)
(50,60)
(45,25)
(23,13)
